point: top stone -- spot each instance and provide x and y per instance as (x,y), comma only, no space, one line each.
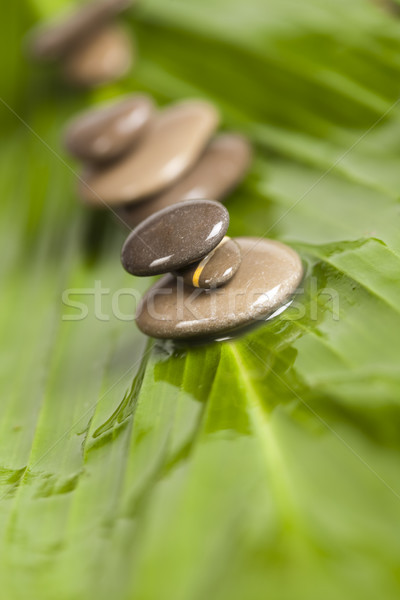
(175,237)
(174,142)
(56,39)
(109,130)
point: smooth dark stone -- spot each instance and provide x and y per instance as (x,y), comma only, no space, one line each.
(220,168)
(216,268)
(104,56)
(176,138)
(107,131)
(58,38)
(175,237)
(267,277)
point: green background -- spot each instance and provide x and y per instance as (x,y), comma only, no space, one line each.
(266,467)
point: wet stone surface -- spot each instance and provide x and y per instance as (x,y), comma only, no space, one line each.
(268,275)
(175,237)
(216,268)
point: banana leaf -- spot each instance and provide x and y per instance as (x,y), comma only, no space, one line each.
(264,466)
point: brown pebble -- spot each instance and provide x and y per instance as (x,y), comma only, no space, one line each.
(216,268)
(109,130)
(266,279)
(175,237)
(58,38)
(105,56)
(220,168)
(175,140)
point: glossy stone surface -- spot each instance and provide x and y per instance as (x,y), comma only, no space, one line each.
(175,237)
(175,140)
(220,168)
(216,268)
(58,38)
(268,275)
(109,130)
(105,56)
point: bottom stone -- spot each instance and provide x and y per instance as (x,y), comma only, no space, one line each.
(268,275)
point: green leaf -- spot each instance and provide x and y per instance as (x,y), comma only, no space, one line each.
(266,466)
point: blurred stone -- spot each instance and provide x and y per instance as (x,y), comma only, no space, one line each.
(104,56)
(58,38)
(174,142)
(220,168)
(107,131)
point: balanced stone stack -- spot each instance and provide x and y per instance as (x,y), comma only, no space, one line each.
(165,173)
(91,47)
(217,285)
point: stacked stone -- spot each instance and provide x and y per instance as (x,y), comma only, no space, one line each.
(92,48)
(165,173)
(158,170)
